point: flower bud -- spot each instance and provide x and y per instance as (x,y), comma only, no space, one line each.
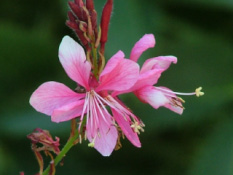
(72,25)
(76,10)
(79,3)
(71,16)
(105,19)
(90,5)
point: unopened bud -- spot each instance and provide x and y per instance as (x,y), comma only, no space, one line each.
(94,21)
(83,26)
(72,25)
(71,16)
(82,38)
(76,9)
(105,19)
(79,3)
(90,5)
(87,18)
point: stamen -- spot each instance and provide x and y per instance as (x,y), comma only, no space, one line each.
(198,92)
(91,116)
(92,143)
(85,106)
(96,119)
(85,135)
(175,102)
(98,133)
(181,100)
(122,110)
(80,139)
(100,110)
(137,127)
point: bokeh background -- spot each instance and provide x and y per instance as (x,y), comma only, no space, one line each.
(199,33)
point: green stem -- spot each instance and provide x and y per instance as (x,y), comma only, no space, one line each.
(66,148)
(95,60)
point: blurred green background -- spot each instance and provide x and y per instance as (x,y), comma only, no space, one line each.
(198,32)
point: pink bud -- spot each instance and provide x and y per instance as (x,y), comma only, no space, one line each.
(105,19)
(94,19)
(79,3)
(72,25)
(82,38)
(71,16)
(76,9)
(90,5)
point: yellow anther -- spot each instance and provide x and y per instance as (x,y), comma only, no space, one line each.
(137,127)
(198,92)
(181,100)
(92,144)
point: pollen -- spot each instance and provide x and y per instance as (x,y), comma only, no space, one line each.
(137,127)
(198,92)
(181,100)
(92,144)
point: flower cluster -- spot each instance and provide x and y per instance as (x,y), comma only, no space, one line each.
(95,101)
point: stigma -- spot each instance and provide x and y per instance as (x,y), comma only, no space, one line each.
(199,92)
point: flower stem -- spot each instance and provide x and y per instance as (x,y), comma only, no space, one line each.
(66,148)
(95,61)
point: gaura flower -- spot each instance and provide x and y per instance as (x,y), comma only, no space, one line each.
(92,97)
(150,73)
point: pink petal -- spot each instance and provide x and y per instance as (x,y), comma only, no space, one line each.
(171,96)
(152,96)
(73,60)
(161,62)
(52,95)
(147,78)
(152,70)
(157,98)
(68,112)
(118,74)
(146,42)
(175,109)
(105,135)
(126,128)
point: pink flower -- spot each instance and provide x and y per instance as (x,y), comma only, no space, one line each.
(149,75)
(92,97)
